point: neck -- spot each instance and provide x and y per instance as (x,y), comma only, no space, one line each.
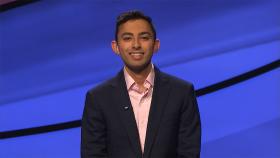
(140,77)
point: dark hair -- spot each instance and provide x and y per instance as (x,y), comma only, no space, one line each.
(133,15)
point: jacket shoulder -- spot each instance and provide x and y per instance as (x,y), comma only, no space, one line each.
(102,87)
(177,82)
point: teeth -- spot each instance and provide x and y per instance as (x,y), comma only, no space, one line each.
(136,53)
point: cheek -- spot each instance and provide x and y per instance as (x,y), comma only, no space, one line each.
(149,46)
(124,53)
(150,50)
(121,50)
(124,48)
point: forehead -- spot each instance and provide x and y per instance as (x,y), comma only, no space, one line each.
(135,27)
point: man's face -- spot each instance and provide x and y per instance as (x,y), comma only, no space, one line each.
(135,44)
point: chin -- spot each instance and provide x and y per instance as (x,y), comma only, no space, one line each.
(137,68)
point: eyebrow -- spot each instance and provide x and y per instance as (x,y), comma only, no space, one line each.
(126,34)
(145,33)
(130,34)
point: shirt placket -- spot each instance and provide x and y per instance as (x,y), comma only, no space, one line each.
(142,118)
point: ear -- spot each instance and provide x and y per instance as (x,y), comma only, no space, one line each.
(115,48)
(156,46)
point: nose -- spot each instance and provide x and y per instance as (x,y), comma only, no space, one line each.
(136,44)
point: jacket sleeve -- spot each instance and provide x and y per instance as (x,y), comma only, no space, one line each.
(93,131)
(189,141)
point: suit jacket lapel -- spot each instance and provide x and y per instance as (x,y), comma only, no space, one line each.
(126,112)
(159,100)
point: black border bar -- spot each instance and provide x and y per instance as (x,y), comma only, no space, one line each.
(14,4)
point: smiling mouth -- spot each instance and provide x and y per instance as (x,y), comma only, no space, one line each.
(136,53)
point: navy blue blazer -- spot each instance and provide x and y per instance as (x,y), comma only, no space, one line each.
(109,128)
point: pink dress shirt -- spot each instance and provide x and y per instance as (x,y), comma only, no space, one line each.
(141,102)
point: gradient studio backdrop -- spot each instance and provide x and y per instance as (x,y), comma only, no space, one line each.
(52,51)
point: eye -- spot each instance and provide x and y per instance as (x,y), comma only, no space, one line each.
(145,38)
(127,38)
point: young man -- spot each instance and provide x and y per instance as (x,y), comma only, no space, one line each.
(142,112)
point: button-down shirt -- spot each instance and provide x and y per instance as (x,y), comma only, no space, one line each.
(141,102)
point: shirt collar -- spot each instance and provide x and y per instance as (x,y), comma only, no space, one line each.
(130,81)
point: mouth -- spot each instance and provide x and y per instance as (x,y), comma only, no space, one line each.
(136,55)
